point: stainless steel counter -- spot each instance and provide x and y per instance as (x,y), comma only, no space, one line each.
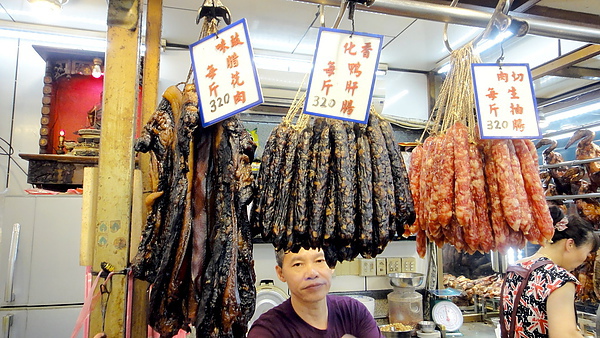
(477,330)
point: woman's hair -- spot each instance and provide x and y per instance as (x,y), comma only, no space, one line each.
(577,228)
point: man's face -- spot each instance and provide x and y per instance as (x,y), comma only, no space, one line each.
(307,275)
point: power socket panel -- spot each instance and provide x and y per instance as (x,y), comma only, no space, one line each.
(381,266)
(366,267)
(409,264)
(394,264)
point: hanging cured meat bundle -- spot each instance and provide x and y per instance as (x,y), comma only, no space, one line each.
(196,249)
(474,194)
(349,190)
(226,289)
(160,259)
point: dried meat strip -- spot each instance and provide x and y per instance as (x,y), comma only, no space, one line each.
(421,243)
(201,205)
(264,176)
(535,192)
(300,207)
(272,204)
(344,172)
(364,176)
(432,151)
(464,207)
(499,226)
(330,225)
(526,217)
(318,178)
(414,172)
(158,138)
(482,237)
(500,154)
(382,181)
(443,193)
(405,210)
(171,285)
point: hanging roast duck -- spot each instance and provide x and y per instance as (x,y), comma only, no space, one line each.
(587,149)
(552,157)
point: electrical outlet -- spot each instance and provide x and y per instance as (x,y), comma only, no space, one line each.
(366,267)
(394,264)
(381,266)
(409,264)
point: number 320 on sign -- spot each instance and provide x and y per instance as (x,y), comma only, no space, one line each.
(323,102)
(496,124)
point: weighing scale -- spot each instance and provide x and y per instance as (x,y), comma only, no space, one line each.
(445,312)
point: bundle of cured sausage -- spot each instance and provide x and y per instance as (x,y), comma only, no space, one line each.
(331,184)
(478,195)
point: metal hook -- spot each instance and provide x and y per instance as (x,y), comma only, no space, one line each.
(499,20)
(501,57)
(338,19)
(213,9)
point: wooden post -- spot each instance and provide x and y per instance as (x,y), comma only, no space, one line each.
(139,323)
(115,166)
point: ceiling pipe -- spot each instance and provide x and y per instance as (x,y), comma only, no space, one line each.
(470,17)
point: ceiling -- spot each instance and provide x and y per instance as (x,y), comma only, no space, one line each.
(290,28)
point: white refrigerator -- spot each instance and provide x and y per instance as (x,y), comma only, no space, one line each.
(41,282)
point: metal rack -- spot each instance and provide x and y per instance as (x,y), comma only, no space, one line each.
(570,163)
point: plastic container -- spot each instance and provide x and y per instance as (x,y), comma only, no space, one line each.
(405,306)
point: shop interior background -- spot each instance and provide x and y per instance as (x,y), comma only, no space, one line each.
(283,34)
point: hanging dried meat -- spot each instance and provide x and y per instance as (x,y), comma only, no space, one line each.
(196,249)
(487,193)
(348,187)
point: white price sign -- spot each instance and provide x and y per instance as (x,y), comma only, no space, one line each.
(343,75)
(506,106)
(226,78)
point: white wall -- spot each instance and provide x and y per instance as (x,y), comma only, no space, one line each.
(22,71)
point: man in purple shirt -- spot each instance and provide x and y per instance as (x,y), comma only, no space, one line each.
(310,312)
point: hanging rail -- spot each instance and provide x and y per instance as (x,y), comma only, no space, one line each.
(568,163)
(572,197)
(464,16)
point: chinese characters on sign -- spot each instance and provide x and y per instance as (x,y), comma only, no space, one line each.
(226,79)
(506,106)
(343,76)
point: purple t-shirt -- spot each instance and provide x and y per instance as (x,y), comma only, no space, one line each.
(346,316)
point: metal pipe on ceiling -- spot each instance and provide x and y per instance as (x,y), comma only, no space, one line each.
(471,17)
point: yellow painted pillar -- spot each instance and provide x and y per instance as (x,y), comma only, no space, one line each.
(139,323)
(115,166)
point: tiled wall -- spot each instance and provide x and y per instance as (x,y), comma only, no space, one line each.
(264,258)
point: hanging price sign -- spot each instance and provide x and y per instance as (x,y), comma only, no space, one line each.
(226,78)
(343,75)
(506,106)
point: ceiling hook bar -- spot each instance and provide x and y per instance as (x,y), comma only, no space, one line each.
(499,22)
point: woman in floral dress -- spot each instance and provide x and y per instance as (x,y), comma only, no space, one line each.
(542,285)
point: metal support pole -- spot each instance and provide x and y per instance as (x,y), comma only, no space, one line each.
(470,17)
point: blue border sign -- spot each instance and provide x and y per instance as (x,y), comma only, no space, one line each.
(226,79)
(505,101)
(342,79)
